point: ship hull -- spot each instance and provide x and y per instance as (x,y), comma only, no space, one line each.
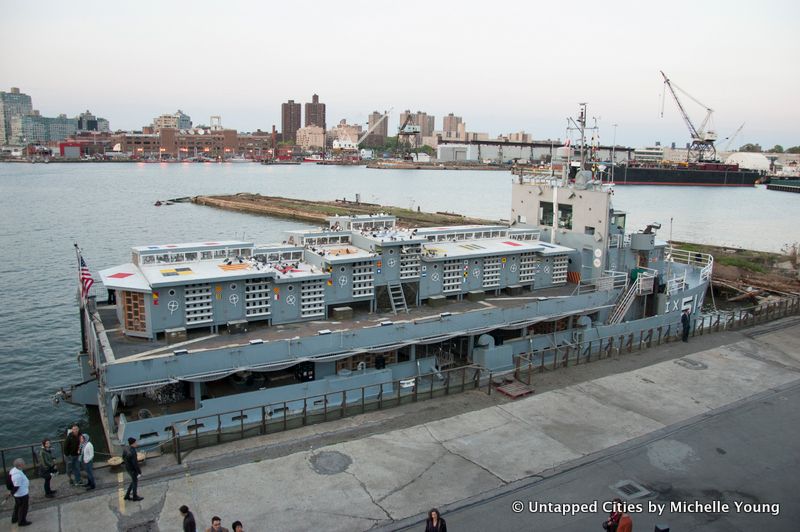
(631,175)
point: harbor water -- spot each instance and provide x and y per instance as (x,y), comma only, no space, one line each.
(107,208)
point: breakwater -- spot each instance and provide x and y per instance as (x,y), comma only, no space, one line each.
(317,211)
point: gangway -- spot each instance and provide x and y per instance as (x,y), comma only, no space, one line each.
(644,285)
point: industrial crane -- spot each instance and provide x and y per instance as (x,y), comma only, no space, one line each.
(406,135)
(732,138)
(702,147)
(374,126)
(347,144)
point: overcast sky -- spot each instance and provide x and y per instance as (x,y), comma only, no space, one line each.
(502,66)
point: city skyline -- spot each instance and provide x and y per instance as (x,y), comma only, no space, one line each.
(523,69)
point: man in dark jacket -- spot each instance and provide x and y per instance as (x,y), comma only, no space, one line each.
(188,519)
(72,450)
(131,461)
(686,323)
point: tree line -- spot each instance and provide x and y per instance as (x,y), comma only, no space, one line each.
(756,148)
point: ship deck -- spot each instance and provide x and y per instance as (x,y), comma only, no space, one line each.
(127,348)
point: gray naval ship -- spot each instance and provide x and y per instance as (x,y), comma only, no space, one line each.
(206,337)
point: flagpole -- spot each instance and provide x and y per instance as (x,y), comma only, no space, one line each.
(84,345)
(80,283)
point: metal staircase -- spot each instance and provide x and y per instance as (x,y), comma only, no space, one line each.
(643,285)
(397,297)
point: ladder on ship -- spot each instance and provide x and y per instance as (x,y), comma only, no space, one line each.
(644,284)
(397,297)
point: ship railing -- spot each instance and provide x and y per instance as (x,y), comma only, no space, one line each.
(703,261)
(645,282)
(619,241)
(609,280)
(185,434)
(678,283)
(615,345)
(539,179)
(707,270)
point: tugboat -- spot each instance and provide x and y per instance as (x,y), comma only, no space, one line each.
(205,337)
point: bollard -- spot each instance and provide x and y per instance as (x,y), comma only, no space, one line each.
(176,443)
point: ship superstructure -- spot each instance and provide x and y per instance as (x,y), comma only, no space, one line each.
(201,329)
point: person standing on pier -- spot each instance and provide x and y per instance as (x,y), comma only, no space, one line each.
(625,522)
(435,523)
(72,451)
(47,467)
(131,461)
(19,488)
(686,323)
(87,457)
(216,525)
(189,524)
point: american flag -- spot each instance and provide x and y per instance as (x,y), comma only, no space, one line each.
(86,279)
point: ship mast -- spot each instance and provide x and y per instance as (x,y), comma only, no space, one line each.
(579,125)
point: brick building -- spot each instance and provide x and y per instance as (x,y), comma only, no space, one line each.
(315,113)
(290,120)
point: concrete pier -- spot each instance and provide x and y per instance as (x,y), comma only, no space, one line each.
(785,186)
(385,469)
